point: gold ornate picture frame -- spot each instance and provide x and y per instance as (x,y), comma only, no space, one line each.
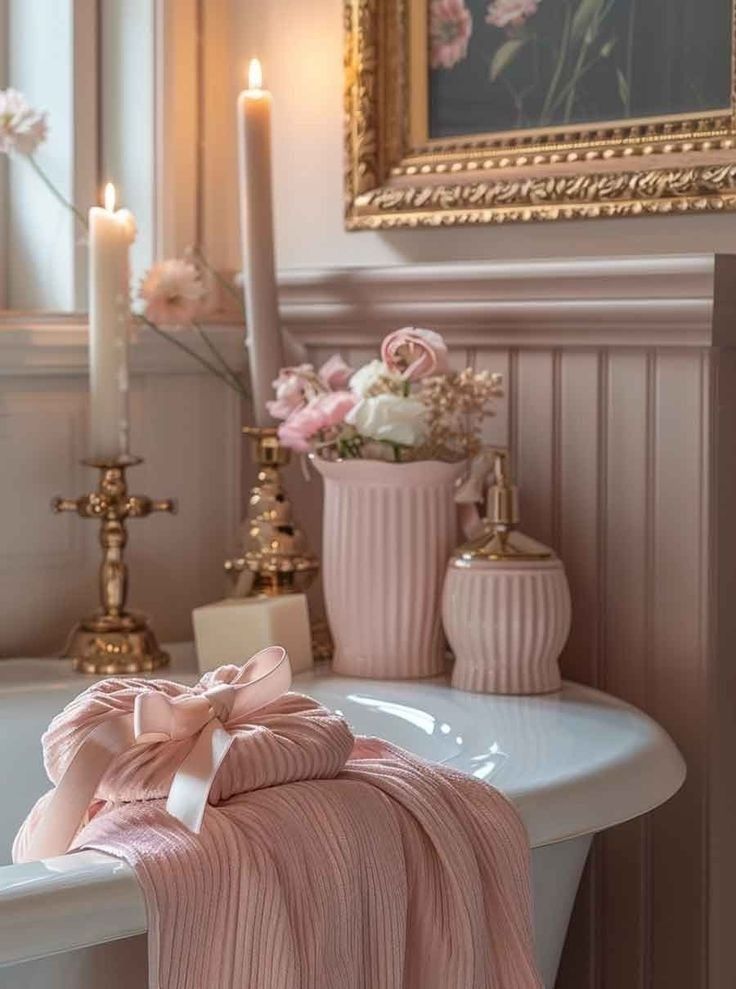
(399,176)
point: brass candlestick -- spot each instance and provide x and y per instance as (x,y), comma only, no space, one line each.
(275,558)
(113,640)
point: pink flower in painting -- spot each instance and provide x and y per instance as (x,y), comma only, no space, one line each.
(510,13)
(335,373)
(321,413)
(450,27)
(414,353)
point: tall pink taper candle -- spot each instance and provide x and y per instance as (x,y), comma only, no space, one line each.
(257,241)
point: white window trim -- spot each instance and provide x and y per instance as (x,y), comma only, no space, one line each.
(85,126)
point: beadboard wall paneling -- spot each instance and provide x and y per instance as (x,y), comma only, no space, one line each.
(619,411)
(611,396)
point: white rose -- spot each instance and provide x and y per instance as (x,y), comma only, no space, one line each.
(371,374)
(391,418)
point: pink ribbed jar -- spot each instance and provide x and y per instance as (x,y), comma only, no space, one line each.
(506,622)
(389,530)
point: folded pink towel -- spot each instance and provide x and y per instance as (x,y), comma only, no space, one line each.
(322,861)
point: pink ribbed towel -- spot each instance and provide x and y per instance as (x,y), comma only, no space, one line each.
(323,861)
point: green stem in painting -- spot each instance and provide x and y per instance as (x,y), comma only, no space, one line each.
(630,55)
(572,83)
(518,102)
(561,59)
(577,73)
(79,216)
(569,91)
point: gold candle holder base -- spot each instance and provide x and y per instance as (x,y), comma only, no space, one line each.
(275,559)
(113,641)
(111,648)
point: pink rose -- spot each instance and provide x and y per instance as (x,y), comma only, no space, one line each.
(335,373)
(323,412)
(414,353)
(293,387)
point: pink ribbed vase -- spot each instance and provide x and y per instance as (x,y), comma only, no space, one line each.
(389,530)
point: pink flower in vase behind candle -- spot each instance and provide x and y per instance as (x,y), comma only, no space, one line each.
(408,405)
(22,128)
(173,292)
(322,413)
(295,386)
(335,373)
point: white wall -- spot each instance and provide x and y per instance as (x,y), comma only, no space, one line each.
(301,47)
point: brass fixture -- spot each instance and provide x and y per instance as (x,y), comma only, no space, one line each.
(276,558)
(499,538)
(113,640)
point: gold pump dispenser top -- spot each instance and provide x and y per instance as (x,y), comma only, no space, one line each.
(498,539)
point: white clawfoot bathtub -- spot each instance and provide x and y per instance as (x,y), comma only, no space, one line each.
(573,763)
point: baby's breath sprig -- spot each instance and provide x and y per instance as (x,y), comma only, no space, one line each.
(458,404)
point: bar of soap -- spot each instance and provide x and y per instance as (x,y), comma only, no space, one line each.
(231,631)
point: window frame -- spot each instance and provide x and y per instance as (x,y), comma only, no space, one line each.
(171,132)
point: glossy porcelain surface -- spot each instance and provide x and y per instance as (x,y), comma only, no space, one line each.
(573,763)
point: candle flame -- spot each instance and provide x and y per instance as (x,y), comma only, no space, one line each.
(255,74)
(110,197)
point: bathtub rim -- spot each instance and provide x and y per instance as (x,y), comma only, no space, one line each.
(87,897)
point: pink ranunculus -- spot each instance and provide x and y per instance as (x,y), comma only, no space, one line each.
(294,386)
(335,373)
(415,353)
(510,13)
(323,412)
(450,27)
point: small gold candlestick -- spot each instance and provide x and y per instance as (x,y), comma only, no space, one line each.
(275,558)
(113,640)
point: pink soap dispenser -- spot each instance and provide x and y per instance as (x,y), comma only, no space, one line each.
(506,603)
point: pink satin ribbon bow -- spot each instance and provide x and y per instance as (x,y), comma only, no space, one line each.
(209,717)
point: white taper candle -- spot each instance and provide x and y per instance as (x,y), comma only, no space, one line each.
(257,240)
(111,233)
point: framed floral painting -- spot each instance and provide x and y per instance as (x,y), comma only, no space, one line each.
(478,111)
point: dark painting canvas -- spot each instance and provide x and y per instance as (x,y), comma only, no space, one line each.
(516,64)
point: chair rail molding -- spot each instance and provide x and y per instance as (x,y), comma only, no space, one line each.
(657,301)
(49,344)
(668,301)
